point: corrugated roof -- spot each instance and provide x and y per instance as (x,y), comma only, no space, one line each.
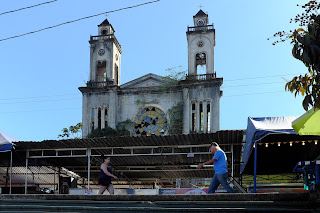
(222,137)
(162,165)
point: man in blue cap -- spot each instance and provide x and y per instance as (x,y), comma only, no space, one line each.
(219,161)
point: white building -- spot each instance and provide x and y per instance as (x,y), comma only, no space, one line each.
(147,101)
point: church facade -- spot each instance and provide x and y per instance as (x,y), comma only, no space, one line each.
(154,104)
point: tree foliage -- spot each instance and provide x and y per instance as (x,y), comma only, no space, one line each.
(175,114)
(174,75)
(72,131)
(306,48)
(122,129)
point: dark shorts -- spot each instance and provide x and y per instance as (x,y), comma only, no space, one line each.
(104,182)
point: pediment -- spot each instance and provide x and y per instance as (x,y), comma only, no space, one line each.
(149,80)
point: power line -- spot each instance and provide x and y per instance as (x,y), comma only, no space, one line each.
(238,95)
(243,85)
(44,110)
(252,94)
(262,77)
(5,99)
(12,11)
(42,101)
(68,22)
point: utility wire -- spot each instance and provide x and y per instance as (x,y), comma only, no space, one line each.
(262,77)
(225,96)
(251,94)
(6,99)
(12,11)
(244,85)
(68,22)
(69,99)
(44,110)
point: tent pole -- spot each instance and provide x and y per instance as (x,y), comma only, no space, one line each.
(232,159)
(10,172)
(255,168)
(89,155)
(26,181)
(59,180)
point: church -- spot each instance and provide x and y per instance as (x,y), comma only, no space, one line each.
(153,104)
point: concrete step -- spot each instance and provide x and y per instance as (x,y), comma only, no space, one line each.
(160,203)
(158,206)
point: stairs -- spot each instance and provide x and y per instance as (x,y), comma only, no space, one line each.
(159,203)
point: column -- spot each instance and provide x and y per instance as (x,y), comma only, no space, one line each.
(186,117)
(113,105)
(89,163)
(205,118)
(95,118)
(212,117)
(197,116)
(103,117)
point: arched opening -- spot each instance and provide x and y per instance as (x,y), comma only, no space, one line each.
(193,117)
(104,32)
(99,118)
(201,61)
(116,74)
(92,119)
(101,71)
(201,69)
(208,117)
(105,117)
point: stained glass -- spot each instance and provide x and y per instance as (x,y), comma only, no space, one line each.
(150,120)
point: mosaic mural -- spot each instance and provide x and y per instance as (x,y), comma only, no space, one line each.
(150,120)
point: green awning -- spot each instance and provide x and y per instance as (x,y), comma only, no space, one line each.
(308,123)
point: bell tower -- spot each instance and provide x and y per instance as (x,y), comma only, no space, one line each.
(201,42)
(105,57)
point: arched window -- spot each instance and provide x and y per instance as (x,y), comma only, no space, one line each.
(193,117)
(201,116)
(208,116)
(104,32)
(201,61)
(101,71)
(116,73)
(105,117)
(99,118)
(92,119)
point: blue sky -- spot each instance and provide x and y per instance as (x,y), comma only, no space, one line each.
(41,72)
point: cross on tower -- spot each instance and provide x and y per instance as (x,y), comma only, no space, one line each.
(200,6)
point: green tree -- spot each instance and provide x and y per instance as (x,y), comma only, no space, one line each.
(72,131)
(306,48)
(122,129)
(174,75)
(175,114)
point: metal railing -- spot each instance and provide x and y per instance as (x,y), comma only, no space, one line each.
(201,28)
(100,84)
(106,37)
(201,77)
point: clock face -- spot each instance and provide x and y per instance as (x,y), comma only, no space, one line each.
(200,22)
(101,52)
(150,120)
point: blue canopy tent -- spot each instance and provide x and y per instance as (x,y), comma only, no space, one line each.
(6,142)
(6,146)
(257,129)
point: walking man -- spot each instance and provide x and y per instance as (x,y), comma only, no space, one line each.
(219,161)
